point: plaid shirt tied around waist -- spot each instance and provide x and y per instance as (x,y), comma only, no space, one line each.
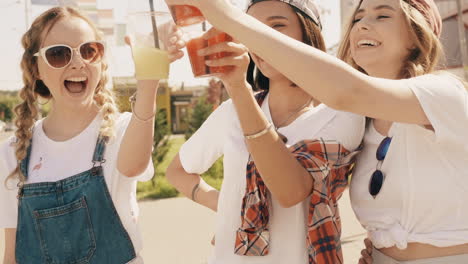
(330,164)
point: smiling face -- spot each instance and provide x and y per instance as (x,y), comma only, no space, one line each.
(75,84)
(380,39)
(281,17)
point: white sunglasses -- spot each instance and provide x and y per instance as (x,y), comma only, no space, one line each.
(59,56)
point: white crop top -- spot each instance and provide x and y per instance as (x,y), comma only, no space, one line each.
(424,197)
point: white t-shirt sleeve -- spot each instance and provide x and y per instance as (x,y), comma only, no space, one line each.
(8,200)
(205,146)
(348,129)
(121,126)
(444,100)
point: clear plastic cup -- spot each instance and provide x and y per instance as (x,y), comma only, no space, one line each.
(149,52)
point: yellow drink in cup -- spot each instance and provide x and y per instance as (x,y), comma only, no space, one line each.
(150,63)
(148,32)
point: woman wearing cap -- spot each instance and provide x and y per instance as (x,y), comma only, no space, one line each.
(409,188)
(278,201)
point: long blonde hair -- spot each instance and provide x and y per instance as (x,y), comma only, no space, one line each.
(27,112)
(422,59)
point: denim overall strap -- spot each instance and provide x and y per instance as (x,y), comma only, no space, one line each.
(72,221)
(98,156)
(24,163)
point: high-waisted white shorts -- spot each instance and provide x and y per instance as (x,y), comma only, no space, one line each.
(380,258)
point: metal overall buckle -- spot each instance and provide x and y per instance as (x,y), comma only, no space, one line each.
(20,189)
(96,165)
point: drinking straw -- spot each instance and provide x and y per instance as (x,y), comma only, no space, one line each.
(155,26)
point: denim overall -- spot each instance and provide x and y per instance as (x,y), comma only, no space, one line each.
(71,221)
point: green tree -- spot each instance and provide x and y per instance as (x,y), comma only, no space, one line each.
(198,115)
(6,113)
(201,111)
(161,139)
(8,101)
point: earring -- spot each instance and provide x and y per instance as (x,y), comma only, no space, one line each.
(39,101)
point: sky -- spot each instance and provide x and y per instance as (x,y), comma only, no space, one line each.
(13,24)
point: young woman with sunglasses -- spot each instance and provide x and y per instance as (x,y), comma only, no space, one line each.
(415,206)
(286,156)
(76,169)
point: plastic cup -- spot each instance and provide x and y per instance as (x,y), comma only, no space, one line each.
(199,68)
(197,42)
(149,52)
(185,15)
(223,37)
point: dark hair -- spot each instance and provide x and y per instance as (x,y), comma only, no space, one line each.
(311,35)
(42,89)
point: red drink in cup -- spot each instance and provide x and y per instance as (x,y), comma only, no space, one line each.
(223,37)
(185,15)
(199,67)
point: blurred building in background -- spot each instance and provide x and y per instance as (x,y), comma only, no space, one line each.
(347,8)
(450,35)
(103,18)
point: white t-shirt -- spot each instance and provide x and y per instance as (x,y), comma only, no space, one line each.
(221,134)
(54,161)
(424,197)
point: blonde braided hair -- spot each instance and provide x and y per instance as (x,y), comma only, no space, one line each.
(105,100)
(27,112)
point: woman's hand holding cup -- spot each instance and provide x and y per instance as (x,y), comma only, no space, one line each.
(227,59)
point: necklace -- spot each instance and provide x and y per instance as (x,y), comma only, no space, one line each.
(302,107)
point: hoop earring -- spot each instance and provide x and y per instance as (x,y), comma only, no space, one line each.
(39,101)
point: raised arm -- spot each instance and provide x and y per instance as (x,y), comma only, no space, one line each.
(287,180)
(137,144)
(273,160)
(325,77)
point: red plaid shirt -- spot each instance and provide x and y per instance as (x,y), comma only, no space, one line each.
(330,164)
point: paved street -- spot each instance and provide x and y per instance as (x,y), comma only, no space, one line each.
(176,225)
(160,220)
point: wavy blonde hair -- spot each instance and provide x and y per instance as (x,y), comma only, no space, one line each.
(27,112)
(422,59)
